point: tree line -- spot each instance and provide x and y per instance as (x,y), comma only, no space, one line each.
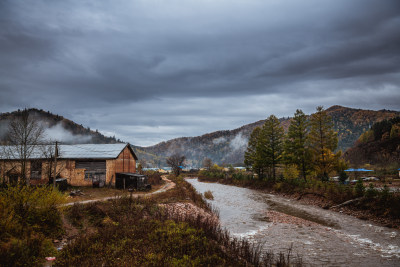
(307,149)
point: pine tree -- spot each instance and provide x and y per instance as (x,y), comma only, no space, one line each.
(296,150)
(251,156)
(270,144)
(323,141)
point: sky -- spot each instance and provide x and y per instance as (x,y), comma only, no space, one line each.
(148,71)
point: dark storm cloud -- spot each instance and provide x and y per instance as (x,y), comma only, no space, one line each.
(176,68)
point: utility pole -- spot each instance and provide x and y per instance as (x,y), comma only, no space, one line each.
(55,165)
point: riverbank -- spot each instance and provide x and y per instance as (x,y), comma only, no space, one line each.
(323,237)
(171,228)
(328,196)
(351,210)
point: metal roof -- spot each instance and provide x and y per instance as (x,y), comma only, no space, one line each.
(358,170)
(82,151)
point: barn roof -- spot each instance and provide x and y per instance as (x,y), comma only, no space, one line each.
(82,151)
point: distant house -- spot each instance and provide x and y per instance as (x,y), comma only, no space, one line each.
(81,165)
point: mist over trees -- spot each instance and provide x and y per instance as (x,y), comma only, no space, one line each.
(307,147)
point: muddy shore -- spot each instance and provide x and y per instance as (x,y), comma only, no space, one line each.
(351,210)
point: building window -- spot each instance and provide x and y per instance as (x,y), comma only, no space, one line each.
(88,175)
(36,170)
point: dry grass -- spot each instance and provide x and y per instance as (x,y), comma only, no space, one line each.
(209,195)
(90,193)
(173,228)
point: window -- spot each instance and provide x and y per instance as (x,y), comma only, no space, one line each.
(88,175)
(36,170)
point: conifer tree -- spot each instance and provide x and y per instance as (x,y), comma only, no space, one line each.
(251,158)
(297,151)
(323,141)
(270,144)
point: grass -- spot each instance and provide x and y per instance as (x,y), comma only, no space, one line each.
(208,195)
(139,232)
(123,231)
(90,193)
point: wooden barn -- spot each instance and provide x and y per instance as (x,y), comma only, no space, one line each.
(81,165)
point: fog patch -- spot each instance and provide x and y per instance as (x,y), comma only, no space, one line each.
(219,140)
(239,142)
(59,133)
(4,128)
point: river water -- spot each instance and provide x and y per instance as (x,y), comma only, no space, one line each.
(321,237)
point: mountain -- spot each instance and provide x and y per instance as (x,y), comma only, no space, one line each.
(58,128)
(378,145)
(220,146)
(229,146)
(68,132)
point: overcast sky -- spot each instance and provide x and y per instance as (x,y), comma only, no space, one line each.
(148,71)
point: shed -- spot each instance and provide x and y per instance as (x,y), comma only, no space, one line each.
(131,180)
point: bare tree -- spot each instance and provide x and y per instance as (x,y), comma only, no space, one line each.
(143,163)
(25,133)
(49,155)
(207,163)
(176,163)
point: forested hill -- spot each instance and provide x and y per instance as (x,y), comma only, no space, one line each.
(351,123)
(221,146)
(379,145)
(229,146)
(68,132)
(58,128)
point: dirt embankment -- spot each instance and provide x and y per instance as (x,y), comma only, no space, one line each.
(352,210)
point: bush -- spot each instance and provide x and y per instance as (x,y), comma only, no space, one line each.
(154,177)
(27,251)
(371,192)
(29,219)
(384,194)
(291,172)
(359,188)
(343,177)
(208,195)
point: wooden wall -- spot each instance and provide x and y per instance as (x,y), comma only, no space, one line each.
(124,163)
(76,177)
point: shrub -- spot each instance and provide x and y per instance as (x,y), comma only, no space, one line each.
(359,188)
(208,195)
(343,176)
(154,178)
(290,172)
(371,192)
(29,218)
(384,194)
(31,207)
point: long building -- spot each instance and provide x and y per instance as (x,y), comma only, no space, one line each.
(81,165)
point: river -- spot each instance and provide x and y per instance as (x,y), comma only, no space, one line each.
(321,237)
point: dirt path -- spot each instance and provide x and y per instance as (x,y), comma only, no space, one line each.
(167,186)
